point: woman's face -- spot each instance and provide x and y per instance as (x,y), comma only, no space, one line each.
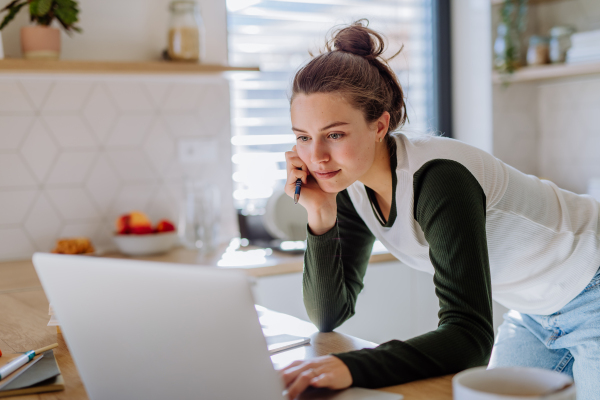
(333,139)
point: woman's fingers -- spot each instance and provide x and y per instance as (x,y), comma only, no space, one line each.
(293,161)
(322,380)
(292,371)
(297,174)
(323,372)
(301,383)
(293,175)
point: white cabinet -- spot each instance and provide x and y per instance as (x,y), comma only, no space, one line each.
(396,303)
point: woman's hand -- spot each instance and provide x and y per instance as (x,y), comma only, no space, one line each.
(321,206)
(321,372)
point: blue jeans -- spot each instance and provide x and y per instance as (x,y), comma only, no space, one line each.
(567,341)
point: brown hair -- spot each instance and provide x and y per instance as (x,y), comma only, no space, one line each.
(352,65)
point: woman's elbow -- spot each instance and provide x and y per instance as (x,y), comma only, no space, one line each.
(327,320)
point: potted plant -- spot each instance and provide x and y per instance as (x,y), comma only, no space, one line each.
(507,47)
(42,40)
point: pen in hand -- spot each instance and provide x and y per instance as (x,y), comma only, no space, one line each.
(297,192)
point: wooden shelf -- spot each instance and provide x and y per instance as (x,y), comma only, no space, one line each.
(531,2)
(114,67)
(544,72)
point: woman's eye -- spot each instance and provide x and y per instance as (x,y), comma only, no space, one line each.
(302,138)
(336,136)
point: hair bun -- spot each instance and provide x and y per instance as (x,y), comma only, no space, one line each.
(358,39)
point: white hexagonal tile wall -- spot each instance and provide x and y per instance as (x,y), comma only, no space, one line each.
(174,170)
(100,112)
(14,244)
(102,183)
(185,125)
(213,117)
(182,97)
(129,130)
(71,167)
(163,205)
(100,147)
(70,131)
(36,90)
(103,240)
(15,205)
(43,224)
(14,172)
(157,91)
(131,165)
(159,146)
(13,99)
(130,96)
(39,150)
(132,197)
(77,229)
(13,129)
(73,204)
(68,96)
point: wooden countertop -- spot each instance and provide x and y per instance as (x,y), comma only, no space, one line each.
(24,315)
(273,263)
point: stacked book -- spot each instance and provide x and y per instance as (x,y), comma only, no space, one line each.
(585,47)
(53,321)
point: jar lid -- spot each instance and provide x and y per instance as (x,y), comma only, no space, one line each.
(183,5)
(538,39)
(561,30)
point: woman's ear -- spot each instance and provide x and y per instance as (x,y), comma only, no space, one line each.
(383,124)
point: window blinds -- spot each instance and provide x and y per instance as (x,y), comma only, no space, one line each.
(277,35)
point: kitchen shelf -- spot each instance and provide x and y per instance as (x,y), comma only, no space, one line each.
(113,67)
(543,72)
(531,2)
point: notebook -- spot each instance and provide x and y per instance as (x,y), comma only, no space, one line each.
(277,343)
(40,375)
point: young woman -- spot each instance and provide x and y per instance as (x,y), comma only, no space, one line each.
(440,206)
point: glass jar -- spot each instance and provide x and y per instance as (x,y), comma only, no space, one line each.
(560,42)
(537,52)
(507,49)
(186,32)
(199,216)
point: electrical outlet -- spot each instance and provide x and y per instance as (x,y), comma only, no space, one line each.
(198,151)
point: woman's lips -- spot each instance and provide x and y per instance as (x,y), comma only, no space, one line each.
(326,174)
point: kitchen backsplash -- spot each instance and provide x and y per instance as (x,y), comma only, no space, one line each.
(76,152)
(550,130)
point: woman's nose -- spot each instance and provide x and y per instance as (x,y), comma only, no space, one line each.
(319,153)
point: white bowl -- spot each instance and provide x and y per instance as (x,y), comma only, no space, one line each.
(145,245)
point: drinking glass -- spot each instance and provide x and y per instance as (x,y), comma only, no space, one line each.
(199,218)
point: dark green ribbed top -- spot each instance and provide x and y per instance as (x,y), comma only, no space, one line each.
(449,205)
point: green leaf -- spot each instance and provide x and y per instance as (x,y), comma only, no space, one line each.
(68,17)
(11,14)
(33,5)
(43,7)
(10,5)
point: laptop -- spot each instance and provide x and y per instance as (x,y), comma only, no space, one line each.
(148,330)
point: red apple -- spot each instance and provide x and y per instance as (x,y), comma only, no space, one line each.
(165,226)
(123,226)
(141,230)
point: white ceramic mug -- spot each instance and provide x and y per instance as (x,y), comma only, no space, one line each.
(512,383)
